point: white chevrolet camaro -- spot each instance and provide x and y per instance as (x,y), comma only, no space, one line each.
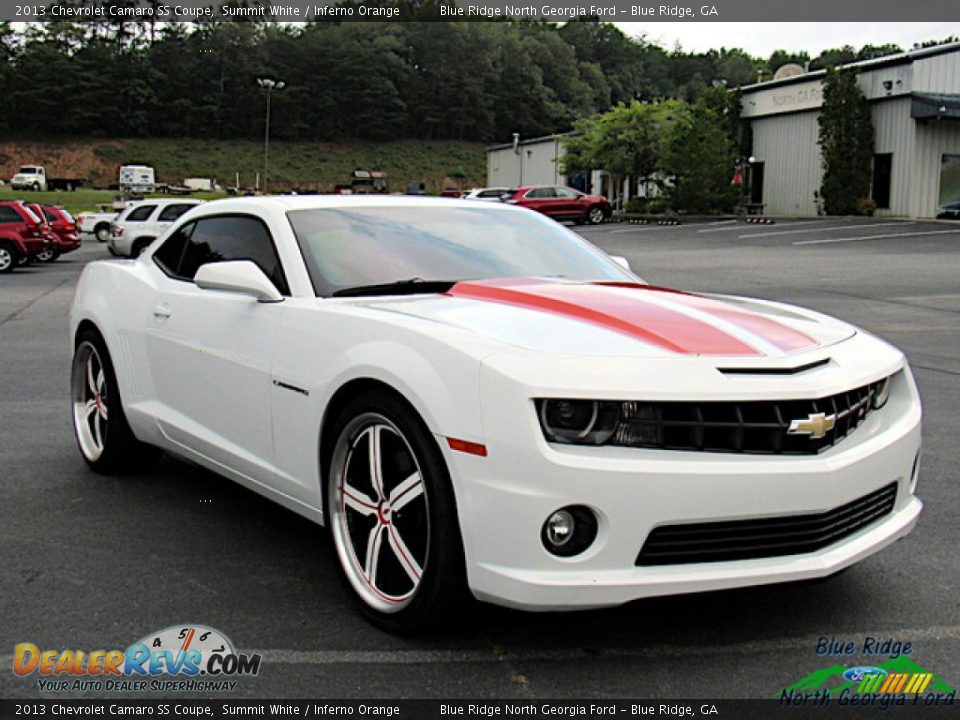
(471,396)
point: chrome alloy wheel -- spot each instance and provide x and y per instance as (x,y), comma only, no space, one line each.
(379,512)
(596,215)
(88,385)
(6,258)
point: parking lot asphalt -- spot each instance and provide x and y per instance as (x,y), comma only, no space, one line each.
(88,562)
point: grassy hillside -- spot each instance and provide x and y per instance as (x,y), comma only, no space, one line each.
(316,166)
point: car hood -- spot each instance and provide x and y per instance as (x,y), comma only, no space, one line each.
(620,319)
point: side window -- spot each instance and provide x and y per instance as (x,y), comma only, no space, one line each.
(9,215)
(173,212)
(541,193)
(567,193)
(168,255)
(232,237)
(140,213)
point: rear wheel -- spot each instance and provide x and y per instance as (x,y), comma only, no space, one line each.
(106,441)
(9,258)
(392,515)
(102,231)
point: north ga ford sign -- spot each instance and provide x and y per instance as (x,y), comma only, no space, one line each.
(802,96)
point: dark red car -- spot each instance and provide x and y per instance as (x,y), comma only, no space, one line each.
(64,228)
(23,235)
(562,203)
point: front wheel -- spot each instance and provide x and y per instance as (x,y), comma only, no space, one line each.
(106,441)
(47,256)
(36,187)
(596,215)
(392,515)
(9,258)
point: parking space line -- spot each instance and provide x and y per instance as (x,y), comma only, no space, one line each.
(838,228)
(646,228)
(808,223)
(884,236)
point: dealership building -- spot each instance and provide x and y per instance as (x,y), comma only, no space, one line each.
(915,101)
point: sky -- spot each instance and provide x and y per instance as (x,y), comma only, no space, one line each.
(761,39)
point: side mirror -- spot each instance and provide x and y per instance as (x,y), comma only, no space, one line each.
(237,276)
(621,261)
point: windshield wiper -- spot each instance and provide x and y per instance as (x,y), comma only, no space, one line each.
(410,286)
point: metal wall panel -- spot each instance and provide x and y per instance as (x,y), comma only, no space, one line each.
(937,74)
(934,138)
(535,165)
(894,131)
(787,146)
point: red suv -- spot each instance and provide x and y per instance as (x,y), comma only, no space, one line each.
(64,228)
(22,235)
(562,203)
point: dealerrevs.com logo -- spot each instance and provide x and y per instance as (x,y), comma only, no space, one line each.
(179,658)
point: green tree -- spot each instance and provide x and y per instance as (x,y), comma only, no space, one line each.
(846,142)
(698,160)
(626,141)
(834,58)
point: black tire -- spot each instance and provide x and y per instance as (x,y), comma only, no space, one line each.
(35,187)
(429,532)
(47,256)
(9,257)
(102,232)
(595,215)
(98,415)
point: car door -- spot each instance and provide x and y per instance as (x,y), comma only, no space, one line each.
(542,199)
(568,202)
(209,351)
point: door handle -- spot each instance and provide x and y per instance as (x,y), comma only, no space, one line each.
(162,311)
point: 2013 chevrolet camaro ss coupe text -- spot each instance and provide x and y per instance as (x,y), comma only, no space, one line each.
(475,397)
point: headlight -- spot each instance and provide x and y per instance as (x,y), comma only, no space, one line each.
(584,422)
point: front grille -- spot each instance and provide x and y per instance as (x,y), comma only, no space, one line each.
(758,427)
(764,537)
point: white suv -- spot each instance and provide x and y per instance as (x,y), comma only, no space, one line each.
(139,225)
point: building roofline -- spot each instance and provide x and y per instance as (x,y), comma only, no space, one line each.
(904,58)
(534,140)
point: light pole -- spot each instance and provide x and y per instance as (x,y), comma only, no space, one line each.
(268,85)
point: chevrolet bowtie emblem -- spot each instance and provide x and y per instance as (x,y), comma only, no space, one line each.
(816,425)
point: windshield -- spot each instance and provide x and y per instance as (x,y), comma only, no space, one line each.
(27,170)
(352,247)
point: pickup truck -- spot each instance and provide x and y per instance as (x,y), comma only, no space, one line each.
(98,222)
(34,177)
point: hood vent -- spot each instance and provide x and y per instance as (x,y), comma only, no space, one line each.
(774,371)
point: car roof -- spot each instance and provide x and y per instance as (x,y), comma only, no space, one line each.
(285,203)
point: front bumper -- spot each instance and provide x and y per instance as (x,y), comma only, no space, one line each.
(505,498)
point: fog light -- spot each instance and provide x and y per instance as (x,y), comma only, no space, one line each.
(560,528)
(569,531)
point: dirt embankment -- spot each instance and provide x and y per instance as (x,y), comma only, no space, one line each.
(67,158)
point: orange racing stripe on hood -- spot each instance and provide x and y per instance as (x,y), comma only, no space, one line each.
(609,307)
